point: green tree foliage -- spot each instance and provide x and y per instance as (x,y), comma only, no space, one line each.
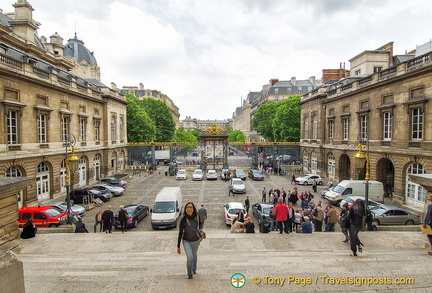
(286,122)
(162,118)
(181,135)
(140,127)
(263,120)
(236,136)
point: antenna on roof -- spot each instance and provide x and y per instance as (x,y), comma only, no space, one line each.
(75,30)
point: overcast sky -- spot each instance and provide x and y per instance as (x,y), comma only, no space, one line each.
(206,55)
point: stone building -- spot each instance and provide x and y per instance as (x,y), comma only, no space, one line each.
(47,92)
(142,93)
(388,105)
(241,118)
(193,123)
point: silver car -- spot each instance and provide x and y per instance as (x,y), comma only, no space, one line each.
(237,185)
(62,205)
(392,215)
(115,190)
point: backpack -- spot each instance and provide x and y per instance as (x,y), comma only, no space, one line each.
(315,212)
(266,227)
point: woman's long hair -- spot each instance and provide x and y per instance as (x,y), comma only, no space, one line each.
(358,207)
(195,212)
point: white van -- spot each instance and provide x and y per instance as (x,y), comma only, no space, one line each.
(347,188)
(167,208)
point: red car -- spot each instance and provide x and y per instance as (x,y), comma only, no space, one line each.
(43,216)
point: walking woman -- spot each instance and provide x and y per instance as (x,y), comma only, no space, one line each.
(98,221)
(189,232)
(356,216)
(344,222)
(122,217)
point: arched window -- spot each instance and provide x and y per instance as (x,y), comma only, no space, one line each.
(314,162)
(331,165)
(13,172)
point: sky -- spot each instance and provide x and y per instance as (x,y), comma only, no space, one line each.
(207,55)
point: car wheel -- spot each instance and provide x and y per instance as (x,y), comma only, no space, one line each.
(320,183)
(305,183)
(135,223)
(409,222)
(52,226)
(377,222)
(113,194)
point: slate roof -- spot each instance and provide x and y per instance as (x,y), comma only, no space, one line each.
(75,48)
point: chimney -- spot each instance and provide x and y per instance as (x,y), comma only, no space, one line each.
(113,86)
(23,24)
(141,86)
(273,81)
(293,80)
(312,80)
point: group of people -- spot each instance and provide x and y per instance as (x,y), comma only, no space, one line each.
(106,220)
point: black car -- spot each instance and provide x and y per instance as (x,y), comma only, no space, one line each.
(255,175)
(136,213)
(239,173)
(114,181)
(78,195)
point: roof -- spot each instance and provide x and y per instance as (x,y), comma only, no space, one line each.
(75,48)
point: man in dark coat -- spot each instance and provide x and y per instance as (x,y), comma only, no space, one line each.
(107,219)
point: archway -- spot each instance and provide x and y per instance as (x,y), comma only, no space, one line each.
(385,174)
(344,167)
(214,147)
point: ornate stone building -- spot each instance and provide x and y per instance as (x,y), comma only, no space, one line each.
(142,93)
(387,100)
(47,92)
(193,123)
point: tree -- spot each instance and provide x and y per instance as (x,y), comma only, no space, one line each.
(140,127)
(181,135)
(236,136)
(286,123)
(162,118)
(263,120)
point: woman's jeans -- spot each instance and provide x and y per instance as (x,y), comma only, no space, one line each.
(191,250)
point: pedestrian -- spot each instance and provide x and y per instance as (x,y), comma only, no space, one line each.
(240,216)
(80,226)
(263,195)
(29,230)
(314,186)
(237,226)
(284,195)
(356,215)
(281,216)
(249,226)
(230,189)
(107,219)
(264,225)
(332,218)
(247,204)
(305,226)
(318,215)
(122,218)
(290,217)
(202,214)
(344,222)
(428,221)
(189,232)
(98,221)
(293,178)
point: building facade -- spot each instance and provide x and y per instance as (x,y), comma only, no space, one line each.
(142,93)
(389,108)
(44,99)
(193,123)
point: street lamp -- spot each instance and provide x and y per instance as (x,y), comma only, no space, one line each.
(71,163)
(363,161)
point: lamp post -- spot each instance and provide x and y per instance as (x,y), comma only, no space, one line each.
(71,163)
(363,161)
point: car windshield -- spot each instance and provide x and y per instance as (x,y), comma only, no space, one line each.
(212,172)
(198,172)
(130,210)
(237,182)
(181,172)
(256,172)
(164,207)
(266,211)
(52,212)
(338,189)
(234,211)
(239,172)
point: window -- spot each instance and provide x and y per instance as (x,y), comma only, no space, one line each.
(97,130)
(121,126)
(306,128)
(377,69)
(364,127)
(82,129)
(113,127)
(315,128)
(13,172)
(65,128)
(314,161)
(42,128)
(12,126)
(331,128)
(387,127)
(345,124)
(415,194)
(357,72)
(331,167)
(417,123)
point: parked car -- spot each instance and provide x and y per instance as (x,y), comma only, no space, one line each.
(80,195)
(43,216)
(309,179)
(239,173)
(197,174)
(255,175)
(113,181)
(181,174)
(62,206)
(392,215)
(136,213)
(261,209)
(324,190)
(351,199)
(115,190)
(194,154)
(230,211)
(211,175)
(237,185)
